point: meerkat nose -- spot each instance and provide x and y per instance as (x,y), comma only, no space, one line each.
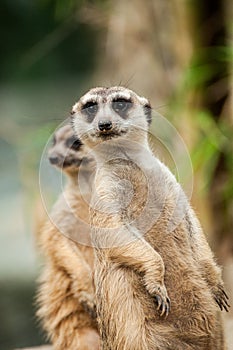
(53,159)
(105,125)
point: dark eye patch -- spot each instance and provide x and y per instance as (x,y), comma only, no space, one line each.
(53,143)
(147,110)
(121,106)
(73,143)
(90,109)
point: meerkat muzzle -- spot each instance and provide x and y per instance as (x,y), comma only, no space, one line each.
(105,125)
(54,160)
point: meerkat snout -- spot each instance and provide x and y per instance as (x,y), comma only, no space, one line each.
(67,152)
(53,159)
(105,125)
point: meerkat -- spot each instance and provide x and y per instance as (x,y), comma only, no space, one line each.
(157,284)
(66,292)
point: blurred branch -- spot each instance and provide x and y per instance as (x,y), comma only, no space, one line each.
(83,12)
(93,15)
(48,43)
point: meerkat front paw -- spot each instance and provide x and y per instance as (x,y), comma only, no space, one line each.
(88,303)
(159,293)
(221,297)
(162,300)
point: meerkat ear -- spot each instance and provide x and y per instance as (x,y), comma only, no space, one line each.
(74,109)
(148,112)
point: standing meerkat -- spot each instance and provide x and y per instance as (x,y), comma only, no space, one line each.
(66,292)
(151,252)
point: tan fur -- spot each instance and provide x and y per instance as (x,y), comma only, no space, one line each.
(149,246)
(66,291)
(43,347)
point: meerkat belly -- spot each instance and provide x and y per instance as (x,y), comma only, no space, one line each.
(129,318)
(125,310)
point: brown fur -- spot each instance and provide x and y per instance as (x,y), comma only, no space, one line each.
(66,291)
(140,266)
(43,347)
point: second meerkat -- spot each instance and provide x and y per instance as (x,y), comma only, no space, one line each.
(66,292)
(151,251)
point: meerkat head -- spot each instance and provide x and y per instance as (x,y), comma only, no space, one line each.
(111,114)
(67,151)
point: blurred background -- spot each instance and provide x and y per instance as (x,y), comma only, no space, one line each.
(178,53)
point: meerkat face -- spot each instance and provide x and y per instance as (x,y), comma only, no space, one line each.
(111,113)
(67,151)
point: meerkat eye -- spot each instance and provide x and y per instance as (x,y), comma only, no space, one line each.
(90,109)
(76,145)
(121,106)
(73,143)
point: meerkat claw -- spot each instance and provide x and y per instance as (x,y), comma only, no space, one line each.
(163,305)
(221,298)
(168,308)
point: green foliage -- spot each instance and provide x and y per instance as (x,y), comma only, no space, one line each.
(205,65)
(197,75)
(224,54)
(44,40)
(213,133)
(213,141)
(64,8)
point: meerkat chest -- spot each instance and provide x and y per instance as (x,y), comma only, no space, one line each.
(122,186)
(87,253)
(130,192)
